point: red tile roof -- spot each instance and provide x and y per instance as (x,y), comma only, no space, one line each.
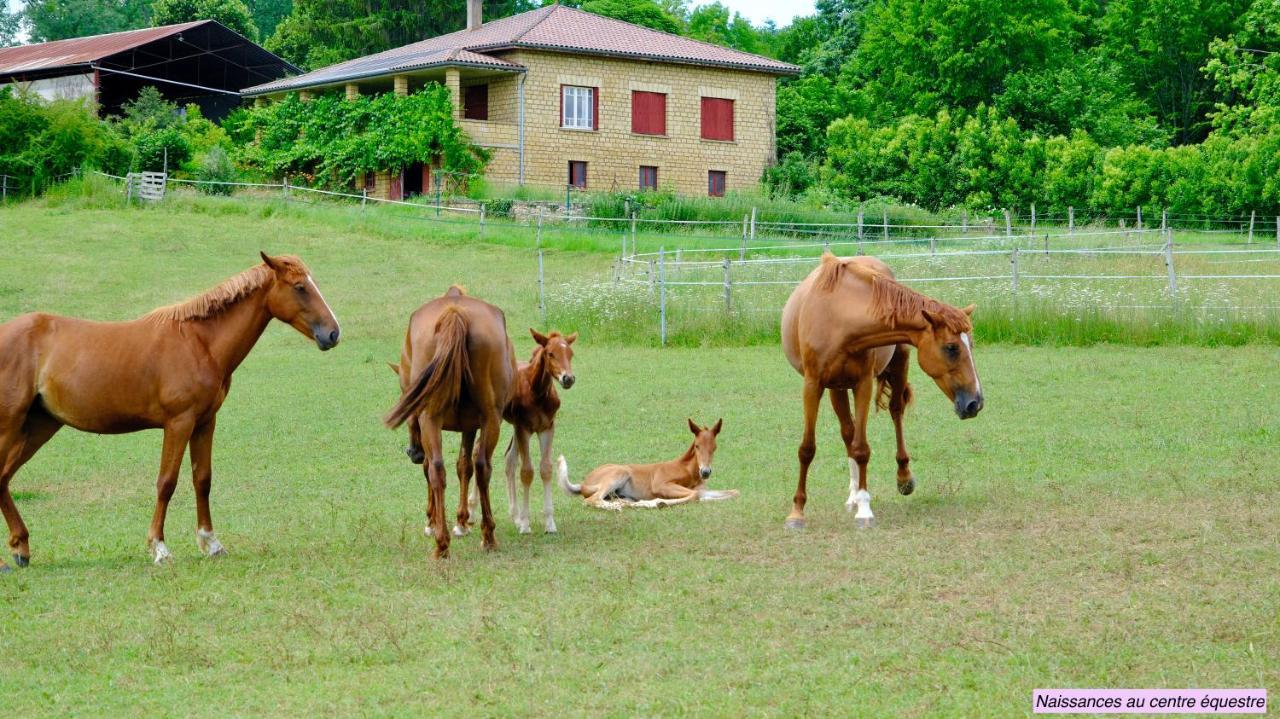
(83,50)
(554,28)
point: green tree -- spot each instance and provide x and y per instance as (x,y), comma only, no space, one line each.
(232,13)
(322,32)
(267,14)
(1245,70)
(715,23)
(10,24)
(61,19)
(638,12)
(1162,46)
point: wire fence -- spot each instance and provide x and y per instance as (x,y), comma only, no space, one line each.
(748,267)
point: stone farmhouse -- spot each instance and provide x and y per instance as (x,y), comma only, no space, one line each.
(562,97)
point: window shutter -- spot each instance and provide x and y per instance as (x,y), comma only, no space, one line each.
(717,119)
(475,103)
(648,113)
(595,108)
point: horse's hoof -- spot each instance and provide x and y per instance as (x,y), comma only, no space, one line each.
(864,522)
(551,529)
(460,531)
(794,524)
(524,529)
(416,455)
(849,506)
(21,561)
(908,487)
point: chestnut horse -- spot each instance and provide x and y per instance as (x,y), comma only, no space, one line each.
(532,411)
(457,371)
(850,322)
(170,369)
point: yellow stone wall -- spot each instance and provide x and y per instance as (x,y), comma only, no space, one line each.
(613,154)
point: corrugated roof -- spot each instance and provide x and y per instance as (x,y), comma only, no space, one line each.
(83,50)
(555,28)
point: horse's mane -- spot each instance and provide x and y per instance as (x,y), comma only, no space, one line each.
(892,303)
(212,301)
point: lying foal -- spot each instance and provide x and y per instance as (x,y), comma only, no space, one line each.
(533,411)
(613,486)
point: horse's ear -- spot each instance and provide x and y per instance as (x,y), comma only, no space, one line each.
(270,261)
(930,318)
(715,429)
(570,339)
(969,310)
(538,337)
(693,426)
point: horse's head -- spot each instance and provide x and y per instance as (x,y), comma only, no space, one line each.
(945,351)
(704,445)
(558,352)
(295,300)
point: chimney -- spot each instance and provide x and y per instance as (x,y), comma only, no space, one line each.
(474,14)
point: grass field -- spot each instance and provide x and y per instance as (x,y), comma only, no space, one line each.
(1108,521)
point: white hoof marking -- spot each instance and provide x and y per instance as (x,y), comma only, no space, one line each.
(551,528)
(863,499)
(160,553)
(458,530)
(209,544)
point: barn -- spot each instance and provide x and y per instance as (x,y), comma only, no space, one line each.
(201,62)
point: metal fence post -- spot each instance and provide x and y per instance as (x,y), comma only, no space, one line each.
(1046,244)
(633,234)
(482,225)
(753,224)
(1008,225)
(1168,263)
(1252,216)
(859,230)
(538,237)
(1164,220)
(439,191)
(364,197)
(662,291)
(885,217)
(728,288)
(1013,260)
(1071,220)
(542,293)
(1033,219)
(742,253)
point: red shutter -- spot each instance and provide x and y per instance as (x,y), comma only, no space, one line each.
(648,113)
(715,183)
(595,108)
(717,119)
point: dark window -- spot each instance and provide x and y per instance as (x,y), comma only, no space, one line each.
(717,119)
(475,102)
(648,177)
(648,113)
(578,174)
(370,181)
(715,183)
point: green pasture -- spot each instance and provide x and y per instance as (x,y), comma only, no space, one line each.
(1109,520)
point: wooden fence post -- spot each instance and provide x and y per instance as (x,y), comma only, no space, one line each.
(633,234)
(1071,220)
(728,288)
(1253,215)
(662,291)
(1033,219)
(1168,263)
(753,224)
(1139,225)
(482,206)
(885,217)
(1164,220)
(859,230)
(742,252)
(284,186)
(1008,225)
(538,237)
(964,221)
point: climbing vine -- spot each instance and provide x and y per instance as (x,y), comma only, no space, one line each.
(330,140)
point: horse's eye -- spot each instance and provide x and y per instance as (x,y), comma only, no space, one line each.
(300,287)
(952,350)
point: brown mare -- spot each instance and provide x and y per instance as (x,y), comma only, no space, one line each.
(170,369)
(457,372)
(850,322)
(683,479)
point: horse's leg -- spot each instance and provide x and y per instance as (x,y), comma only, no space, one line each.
(526,479)
(433,468)
(414,450)
(808,445)
(484,470)
(863,518)
(464,482)
(15,450)
(202,479)
(896,375)
(848,433)
(544,468)
(176,435)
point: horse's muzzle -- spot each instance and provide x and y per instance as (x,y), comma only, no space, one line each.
(968,406)
(705,472)
(327,340)
(567,380)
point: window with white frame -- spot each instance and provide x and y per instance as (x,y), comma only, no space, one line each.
(577,109)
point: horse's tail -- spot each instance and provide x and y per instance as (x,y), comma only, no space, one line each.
(888,393)
(440,383)
(562,473)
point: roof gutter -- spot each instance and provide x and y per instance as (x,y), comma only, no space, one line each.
(259,90)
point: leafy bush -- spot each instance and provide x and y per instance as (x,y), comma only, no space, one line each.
(42,142)
(215,166)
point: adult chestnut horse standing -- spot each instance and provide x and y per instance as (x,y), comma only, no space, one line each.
(457,372)
(849,323)
(170,369)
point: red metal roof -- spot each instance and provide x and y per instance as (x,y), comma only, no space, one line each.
(83,50)
(554,28)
